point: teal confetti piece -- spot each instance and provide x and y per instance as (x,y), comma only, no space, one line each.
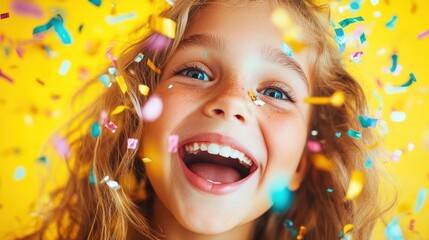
(92,177)
(344,23)
(329,190)
(368,163)
(391,23)
(393,231)
(355,6)
(288,224)
(105,79)
(58,24)
(338,134)
(281,196)
(394,62)
(354,134)
(95,130)
(286,49)
(43,159)
(19,173)
(410,81)
(421,198)
(362,38)
(95,2)
(204,54)
(120,18)
(367,122)
(340,39)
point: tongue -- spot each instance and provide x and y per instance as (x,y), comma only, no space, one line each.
(215,173)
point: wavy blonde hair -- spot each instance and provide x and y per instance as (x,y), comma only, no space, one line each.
(95,211)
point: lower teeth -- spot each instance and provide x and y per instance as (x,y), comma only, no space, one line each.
(214,182)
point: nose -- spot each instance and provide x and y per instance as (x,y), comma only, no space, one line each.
(230,104)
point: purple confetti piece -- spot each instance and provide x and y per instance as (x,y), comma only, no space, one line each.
(173,141)
(4,15)
(61,146)
(26,8)
(423,34)
(314,146)
(132,143)
(111,126)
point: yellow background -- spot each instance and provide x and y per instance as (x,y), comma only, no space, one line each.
(30,111)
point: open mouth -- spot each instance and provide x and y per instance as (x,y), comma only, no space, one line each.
(218,164)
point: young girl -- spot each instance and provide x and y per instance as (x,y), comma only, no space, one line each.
(233,100)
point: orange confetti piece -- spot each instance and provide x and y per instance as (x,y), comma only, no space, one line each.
(355,185)
(321,162)
(119,109)
(147,160)
(302,231)
(122,84)
(153,67)
(371,146)
(337,99)
(144,90)
(165,26)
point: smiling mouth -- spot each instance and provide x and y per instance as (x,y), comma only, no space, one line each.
(218,164)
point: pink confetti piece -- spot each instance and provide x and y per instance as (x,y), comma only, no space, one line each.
(26,8)
(173,141)
(2,75)
(61,146)
(110,56)
(423,34)
(152,108)
(314,146)
(4,15)
(132,143)
(111,126)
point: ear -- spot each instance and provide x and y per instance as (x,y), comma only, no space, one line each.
(300,173)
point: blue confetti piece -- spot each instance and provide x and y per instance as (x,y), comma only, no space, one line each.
(19,173)
(95,130)
(288,224)
(340,39)
(204,54)
(95,2)
(58,24)
(421,198)
(354,134)
(120,18)
(368,163)
(329,190)
(391,24)
(393,231)
(112,71)
(286,49)
(281,196)
(344,23)
(394,63)
(410,81)
(91,177)
(105,79)
(355,6)
(338,134)
(64,68)
(43,159)
(362,38)
(367,122)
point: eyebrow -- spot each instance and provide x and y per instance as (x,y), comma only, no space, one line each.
(268,53)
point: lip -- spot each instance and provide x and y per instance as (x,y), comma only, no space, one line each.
(203,184)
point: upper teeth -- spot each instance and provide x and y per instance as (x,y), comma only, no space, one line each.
(216,149)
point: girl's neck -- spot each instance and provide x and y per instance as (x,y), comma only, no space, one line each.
(168,227)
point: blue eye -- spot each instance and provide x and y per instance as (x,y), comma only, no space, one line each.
(195,73)
(274,93)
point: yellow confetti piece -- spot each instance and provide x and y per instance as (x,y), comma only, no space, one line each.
(119,109)
(337,99)
(144,90)
(153,67)
(165,26)
(371,146)
(355,185)
(347,228)
(147,160)
(321,162)
(291,34)
(252,96)
(122,84)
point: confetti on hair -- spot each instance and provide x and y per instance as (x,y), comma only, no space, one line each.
(111,126)
(398,116)
(105,79)
(391,23)
(367,122)
(64,68)
(110,56)
(340,39)
(26,8)
(329,190)
(371,146)
(421,198)
(143,89)
(347,228)
(95,2)
(119,109)
(337,134)
(301,234)
(139,57)
(423,34)
(95,129)
(362,38)
(344,23)
(170,2)
(165,26)
(92,179)
(289,225)
(393,230)
(173,141)
(120,18)
(337,99)
(354,134)
(410,81)
(7,78)
(152,109)
(355,185)
(19,173)
(4,15)
(112,70)
(58,24)
(146,160)
(368,163)
(132,143)
(111,183)
(286,49)
(153,67)
(122,84)
(204,54)
(314,146)
(321,162)
(61,146)
(394,62)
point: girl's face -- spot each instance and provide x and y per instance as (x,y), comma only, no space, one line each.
(231,151)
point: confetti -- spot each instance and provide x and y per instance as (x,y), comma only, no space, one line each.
(355,185)
(286,49)
(329,190)
(7,78)
(355,57)
(344,23)
(396,155)
(112,70)
(367,122)
(153,67)
(19,173)
(120,18)
(112,58)
(340,39)
(362,38)
(111,183)
(397,116)
(421,198)
(165,26)
(105,79)
(347,228)
(43,159)
(57,23)
(95,2)
(132,143)
(139,57)
(170,2)
(393,230)
(314,146)
(410,81)
(338,134)
(26,8)
(337,99)
(281,196)
(92,177)
(368,163)
(173,141)
(119,109)
(355,6)
(143,89)
(314,133)
(111,126)
(394,62)
(64,68)
(122,85)
(374,2)
(61,146)
(289,225)
(80,28)
(4,15)
(321,162)
(152,109)
(423,34)
(95,129)
(354,134)
(391,23)
(411,225)
(147,160)
(302,231)
(158,42)
(371,146)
